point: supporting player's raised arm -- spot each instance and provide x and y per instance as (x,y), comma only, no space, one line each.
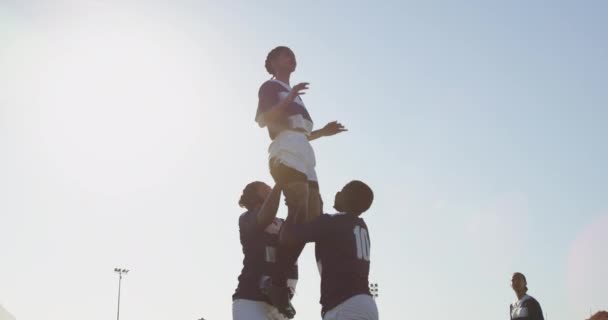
(313,231)
(269,209)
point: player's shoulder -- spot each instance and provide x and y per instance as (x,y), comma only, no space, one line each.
(325,218)
(361,221)
(333,216)
(525,300)
(271,85)
(531,300)
(345,218)
(344,215)
(337,215)
(246,216)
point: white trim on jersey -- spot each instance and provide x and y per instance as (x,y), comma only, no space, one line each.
(518,311)
(297,100)
(295,121)
(271,254)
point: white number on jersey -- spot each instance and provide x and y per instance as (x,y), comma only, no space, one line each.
(362,241)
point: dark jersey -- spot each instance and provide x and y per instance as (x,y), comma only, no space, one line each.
(527,308)
(295,116)
(343,255)
(259,250)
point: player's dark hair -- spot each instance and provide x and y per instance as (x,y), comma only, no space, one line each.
(359,196)
(273,54)
(523,277)
(251,197)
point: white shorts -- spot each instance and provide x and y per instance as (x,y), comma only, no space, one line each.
(359,307)
(243,309)
(292,149)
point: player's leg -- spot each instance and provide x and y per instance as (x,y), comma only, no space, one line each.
(315,205)
(296,192)
(243,309)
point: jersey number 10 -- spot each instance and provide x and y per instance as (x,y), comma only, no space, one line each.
(362,242)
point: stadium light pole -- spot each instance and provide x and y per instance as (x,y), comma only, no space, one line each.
(120,273)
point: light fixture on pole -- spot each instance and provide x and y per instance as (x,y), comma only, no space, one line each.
(373,289)
(120,273)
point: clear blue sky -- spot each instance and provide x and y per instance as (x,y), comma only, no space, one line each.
(127,133)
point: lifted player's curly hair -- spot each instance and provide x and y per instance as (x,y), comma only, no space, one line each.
(271,56)
(250,197)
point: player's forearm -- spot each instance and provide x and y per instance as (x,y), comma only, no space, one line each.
(316,135)
(269,209)
(278,109)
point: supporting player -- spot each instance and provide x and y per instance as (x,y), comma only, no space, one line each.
(343,254)
(259,228)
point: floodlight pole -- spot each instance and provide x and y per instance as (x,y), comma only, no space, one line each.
(120,272)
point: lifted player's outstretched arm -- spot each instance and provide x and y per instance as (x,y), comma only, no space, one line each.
(330,129)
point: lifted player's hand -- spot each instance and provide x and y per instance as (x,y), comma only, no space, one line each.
(298,89)
(333,128)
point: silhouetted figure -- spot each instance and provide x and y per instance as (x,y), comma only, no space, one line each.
(259,233)
(291,157)
(343,254)
(526,307)
(600,315)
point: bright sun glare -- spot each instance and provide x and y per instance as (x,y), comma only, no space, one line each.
(109,88)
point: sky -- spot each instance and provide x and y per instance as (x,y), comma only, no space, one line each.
(127,134)
(4,315)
